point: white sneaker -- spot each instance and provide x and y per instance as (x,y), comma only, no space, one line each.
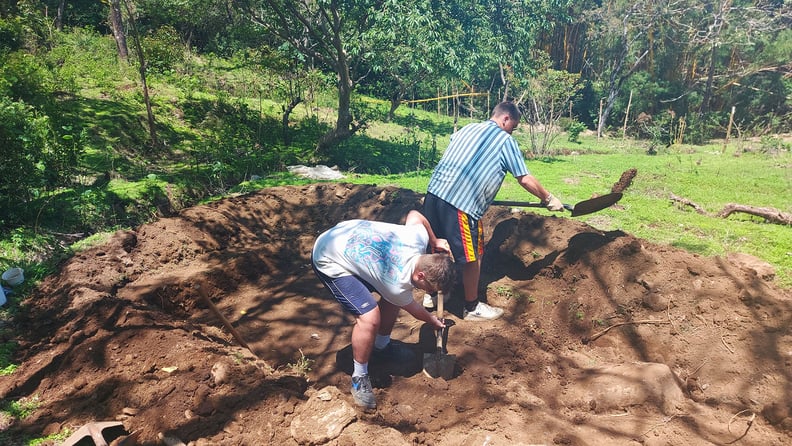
(483,312)
(430,302)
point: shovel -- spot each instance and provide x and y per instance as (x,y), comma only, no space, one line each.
(94,431)
(581,208)
(439,364)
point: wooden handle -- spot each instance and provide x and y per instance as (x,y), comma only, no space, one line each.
(226,322)
(440,305)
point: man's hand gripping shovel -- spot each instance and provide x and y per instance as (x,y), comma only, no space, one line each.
(582,208)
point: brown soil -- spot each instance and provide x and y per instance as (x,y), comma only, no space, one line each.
(699,350)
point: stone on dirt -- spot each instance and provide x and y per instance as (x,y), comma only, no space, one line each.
(620,386)
(322,419)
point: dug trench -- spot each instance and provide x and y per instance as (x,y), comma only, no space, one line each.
(679,348)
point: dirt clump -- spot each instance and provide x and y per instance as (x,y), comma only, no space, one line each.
(680,348)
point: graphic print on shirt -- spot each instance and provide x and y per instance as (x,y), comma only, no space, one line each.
(380,250)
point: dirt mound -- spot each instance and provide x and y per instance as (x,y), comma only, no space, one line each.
(607,339)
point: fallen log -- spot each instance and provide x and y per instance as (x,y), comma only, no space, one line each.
(686,202)
(770,214)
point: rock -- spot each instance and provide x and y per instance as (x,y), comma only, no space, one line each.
(616,387)
(322,419)
(220,373)
(369,433)
(655,301)
(762,269)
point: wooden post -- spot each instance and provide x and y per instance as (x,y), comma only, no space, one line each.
(448,111)
(728,130)
(472,91)
(626,115)
(455,102)
(438,101)
(599,121)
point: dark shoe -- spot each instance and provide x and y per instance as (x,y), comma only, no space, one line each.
(362,393)
(395,351)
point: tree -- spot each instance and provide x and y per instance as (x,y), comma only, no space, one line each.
(545,100)
(730,41)
(619,37)
(405,49)
(200,23)
(326,31)
(142,69)
(117,26)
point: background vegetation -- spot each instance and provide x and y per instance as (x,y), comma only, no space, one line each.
(114,113)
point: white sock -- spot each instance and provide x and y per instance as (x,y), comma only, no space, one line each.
(360,369)
(382,341)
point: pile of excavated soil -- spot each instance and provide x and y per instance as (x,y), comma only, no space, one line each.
(606,340)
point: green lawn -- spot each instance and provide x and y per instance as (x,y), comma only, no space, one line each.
(703,175)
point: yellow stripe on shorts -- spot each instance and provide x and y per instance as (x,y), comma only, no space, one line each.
(467,238)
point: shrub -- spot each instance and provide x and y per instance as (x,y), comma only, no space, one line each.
(34,156)
(163,50)
(83,57)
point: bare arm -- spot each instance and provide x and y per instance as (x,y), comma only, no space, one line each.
(438,244)
(532,185)
(419,312)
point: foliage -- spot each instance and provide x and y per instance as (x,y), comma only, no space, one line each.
(83,58)
(573,128)
(35,158)
(163,50)
(547,98)
(11,34)
(72,117)
(6,352)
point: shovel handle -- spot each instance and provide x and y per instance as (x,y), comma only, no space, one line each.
(440,302)
(527,204)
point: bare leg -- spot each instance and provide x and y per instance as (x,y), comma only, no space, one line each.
(471,272)
(388,313)
(363,335)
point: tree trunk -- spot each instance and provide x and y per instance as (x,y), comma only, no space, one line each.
(343,125)
(716,28)
(142,61)
(117,24)
(59,17)
(285,120)
(614,87)
(396,99)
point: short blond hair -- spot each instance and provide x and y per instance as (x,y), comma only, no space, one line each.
(439,270)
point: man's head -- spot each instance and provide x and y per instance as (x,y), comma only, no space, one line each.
(434,272)
(506,115)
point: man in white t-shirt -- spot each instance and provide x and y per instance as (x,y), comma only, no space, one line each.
(358,257)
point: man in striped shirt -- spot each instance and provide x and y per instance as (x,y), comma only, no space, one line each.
(464,184)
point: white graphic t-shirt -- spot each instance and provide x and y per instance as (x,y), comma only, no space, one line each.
(382,254)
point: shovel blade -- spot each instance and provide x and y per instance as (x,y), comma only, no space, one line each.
(596,204)
(439,365)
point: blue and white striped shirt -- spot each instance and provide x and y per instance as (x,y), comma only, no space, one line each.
(472,169)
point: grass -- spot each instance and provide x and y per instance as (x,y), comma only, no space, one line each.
(706,175)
